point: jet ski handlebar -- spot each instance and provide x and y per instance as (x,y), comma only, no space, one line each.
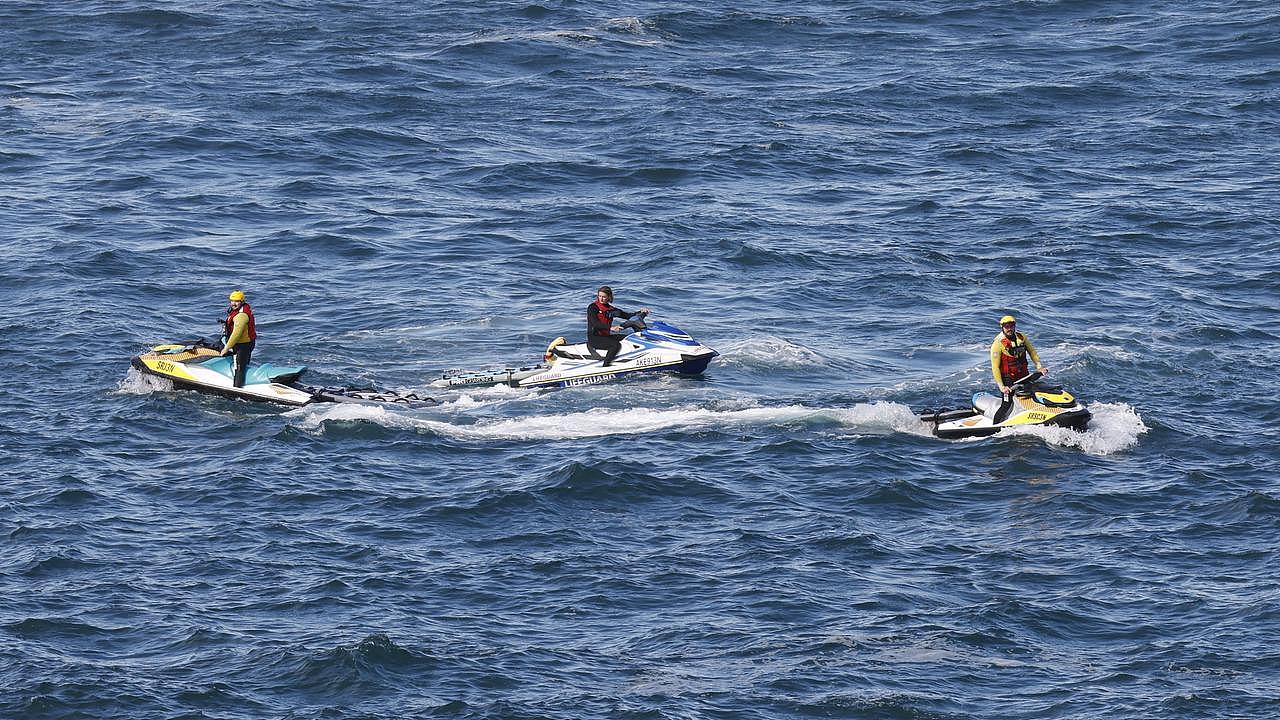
(1028,379)
(1026,385)
(636,323)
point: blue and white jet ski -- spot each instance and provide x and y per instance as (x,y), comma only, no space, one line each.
(653,347)
(197,365)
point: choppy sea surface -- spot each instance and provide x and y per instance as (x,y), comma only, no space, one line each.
(841,198)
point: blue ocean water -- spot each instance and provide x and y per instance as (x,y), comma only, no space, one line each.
(842,198)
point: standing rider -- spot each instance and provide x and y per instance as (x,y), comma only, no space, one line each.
(241,335)
(1009,355)
(600,327)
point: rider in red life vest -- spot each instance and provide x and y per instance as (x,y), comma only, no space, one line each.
(241,334)
(1009,353)
(600,327)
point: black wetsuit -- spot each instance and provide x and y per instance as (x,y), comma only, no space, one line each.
(599,326)
(240,355)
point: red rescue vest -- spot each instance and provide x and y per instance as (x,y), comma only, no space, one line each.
(1013,356)
(251,330)
(604,316)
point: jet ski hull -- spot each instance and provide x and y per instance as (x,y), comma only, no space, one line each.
(955,429)
(1030,406)
(200,368)
(658,347)
(569,374)
(194,376)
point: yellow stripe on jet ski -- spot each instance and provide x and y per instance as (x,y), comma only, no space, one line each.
(1029,417)
(163,367)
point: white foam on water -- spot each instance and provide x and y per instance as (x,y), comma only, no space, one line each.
(140,383)
(313,417)
(768,351)
(1114,427)
(925,654)
(632,25)
(872,418)
(883,417)
(465,398)
(1088,350)
(483,396)
(393,415)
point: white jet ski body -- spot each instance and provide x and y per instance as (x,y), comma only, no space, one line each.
(657,347)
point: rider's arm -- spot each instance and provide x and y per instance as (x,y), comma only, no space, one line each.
(238,332)
(995,363)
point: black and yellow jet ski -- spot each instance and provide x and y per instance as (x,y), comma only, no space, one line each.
(1027,403)
(197,365)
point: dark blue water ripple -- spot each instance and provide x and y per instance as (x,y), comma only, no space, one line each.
(841,199)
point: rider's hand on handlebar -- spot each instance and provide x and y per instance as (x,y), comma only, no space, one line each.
(1044,369)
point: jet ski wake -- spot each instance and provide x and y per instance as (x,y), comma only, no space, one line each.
(197,365)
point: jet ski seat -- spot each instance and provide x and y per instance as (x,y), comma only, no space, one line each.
(987,404)
(267,372)
(572,356)
(258,374)
(1031,389)
(555,349)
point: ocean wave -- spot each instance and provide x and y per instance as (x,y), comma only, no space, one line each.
(373,662)
(901,493)
(155,20)
(1251,508)
(612,483)
(768,352)
(840,198)
(59,564)
(62,628)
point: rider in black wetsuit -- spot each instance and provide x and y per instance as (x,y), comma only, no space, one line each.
(600,327)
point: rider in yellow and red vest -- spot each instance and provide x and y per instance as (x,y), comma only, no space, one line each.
(1009,353)
(241,334)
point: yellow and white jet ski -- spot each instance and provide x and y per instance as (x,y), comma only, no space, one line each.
(1028,403)
(199,366)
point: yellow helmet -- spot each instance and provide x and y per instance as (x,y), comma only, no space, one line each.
(236,295)
(1008,319)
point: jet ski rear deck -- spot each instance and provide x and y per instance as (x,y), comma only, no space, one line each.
(198,366)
